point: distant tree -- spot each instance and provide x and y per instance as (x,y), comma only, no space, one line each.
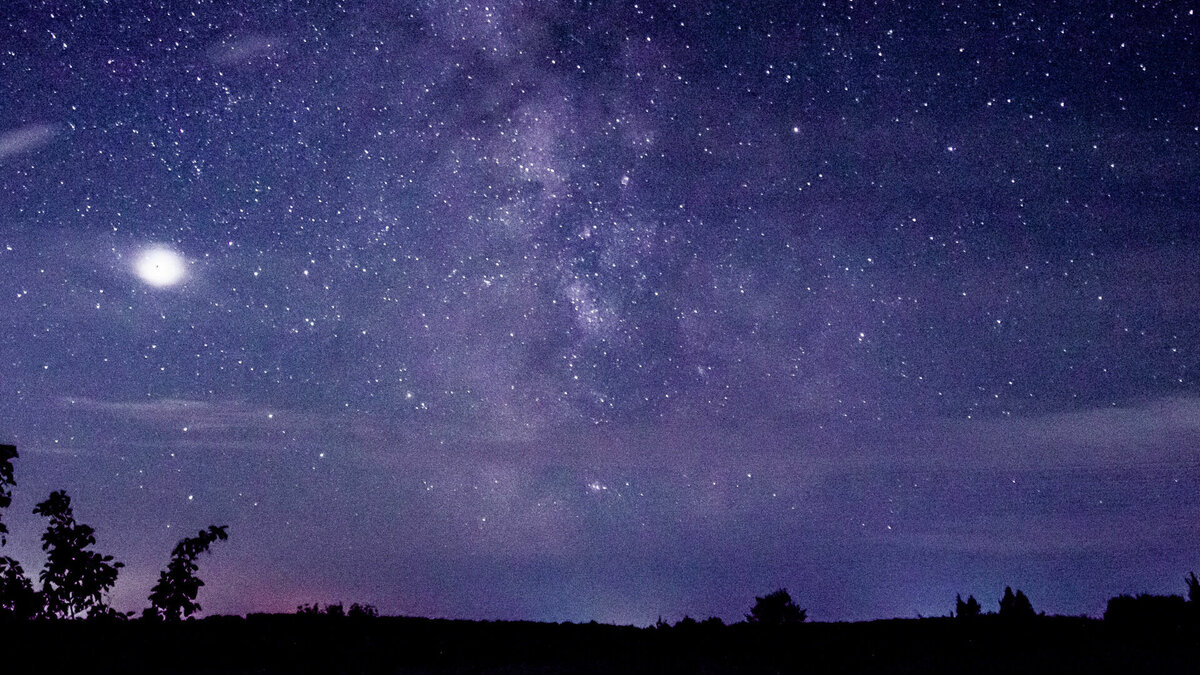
(338,610)
(1146,611)
(966,610)
(1023,607)
(1193,585)
(712,622)
(74,579)
(363,611)
(776,609)
(7,454)
(174,596)
(1015,606)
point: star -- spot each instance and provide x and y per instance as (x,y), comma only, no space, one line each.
(160,267)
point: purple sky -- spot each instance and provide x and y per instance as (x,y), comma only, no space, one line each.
(552,311)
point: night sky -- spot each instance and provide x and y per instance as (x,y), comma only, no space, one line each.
(569,311)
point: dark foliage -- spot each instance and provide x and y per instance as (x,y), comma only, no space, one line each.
(18,600)
(315,610)
(1015,606)
(7,454)
(174,596)
(74,579)
(357,611)
(1193,590)
(363,611)
(1147,611)
(967,610)
(775,609)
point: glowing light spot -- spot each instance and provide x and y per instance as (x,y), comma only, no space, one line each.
(161,267)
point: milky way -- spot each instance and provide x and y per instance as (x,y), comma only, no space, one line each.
(572,311)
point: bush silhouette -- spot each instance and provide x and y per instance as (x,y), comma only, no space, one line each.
(174,596)
(74,578)
(775,609)
(966,610)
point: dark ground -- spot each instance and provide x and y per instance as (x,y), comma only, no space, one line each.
(319,644)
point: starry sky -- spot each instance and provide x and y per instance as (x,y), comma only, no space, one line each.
(573,310)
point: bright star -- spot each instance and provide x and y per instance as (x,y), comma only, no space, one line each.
(160,267)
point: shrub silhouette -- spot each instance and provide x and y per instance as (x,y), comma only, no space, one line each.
(775,609)
(966,610)
(174,596)
(74,578)
(1015,606)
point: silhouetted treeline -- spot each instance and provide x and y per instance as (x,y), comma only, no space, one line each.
(320,643)
(1146,633)
(1156,612)
(356,611)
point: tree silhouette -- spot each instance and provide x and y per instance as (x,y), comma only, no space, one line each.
(7,454)
(174,596)
(17,598)
(1015,606)
(74,578)
(1146,611)
(1193,585)
(363,611)
(966,610)
(775,609)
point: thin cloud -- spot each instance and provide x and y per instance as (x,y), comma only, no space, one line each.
(190,414)
(25,139)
